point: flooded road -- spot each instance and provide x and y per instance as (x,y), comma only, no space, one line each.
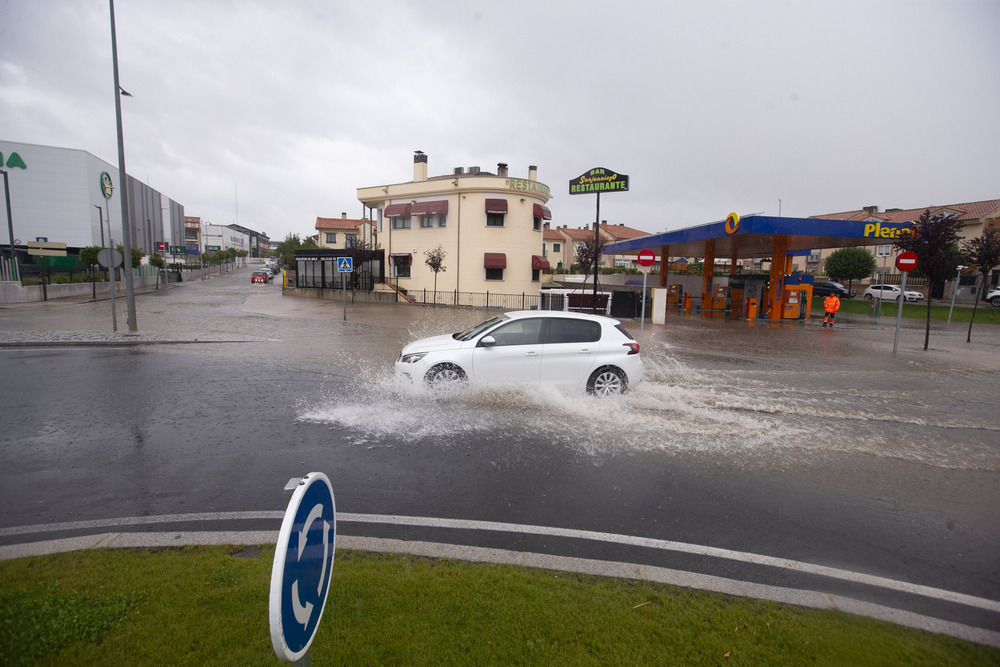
(790,441)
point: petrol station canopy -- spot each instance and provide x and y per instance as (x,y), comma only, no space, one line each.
(759,235)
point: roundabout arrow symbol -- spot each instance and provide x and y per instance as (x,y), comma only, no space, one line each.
(301,611)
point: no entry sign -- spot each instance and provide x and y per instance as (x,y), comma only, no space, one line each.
(646,257)
(907,261)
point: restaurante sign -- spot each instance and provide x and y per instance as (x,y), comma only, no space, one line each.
(598,180)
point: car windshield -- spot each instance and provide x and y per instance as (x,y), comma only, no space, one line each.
(472,332)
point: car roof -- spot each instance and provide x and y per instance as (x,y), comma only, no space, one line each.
(520,314)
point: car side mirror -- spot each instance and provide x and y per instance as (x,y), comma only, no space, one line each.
(487,341)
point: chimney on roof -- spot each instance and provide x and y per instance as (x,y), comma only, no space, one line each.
(343,215)
(871,210)
(532,173)
(501,169)
(459,171)
(419,166)
(545,226)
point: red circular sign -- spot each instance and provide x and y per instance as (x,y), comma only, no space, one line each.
(907,261)
(646,257)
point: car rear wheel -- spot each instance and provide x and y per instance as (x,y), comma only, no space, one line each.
(995,302)
(869,297)
(607,381)
(444,375)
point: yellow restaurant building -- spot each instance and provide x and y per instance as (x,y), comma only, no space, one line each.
(490,227)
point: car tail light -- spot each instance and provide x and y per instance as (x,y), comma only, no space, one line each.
(633,348)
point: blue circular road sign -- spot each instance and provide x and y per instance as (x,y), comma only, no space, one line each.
(303,562)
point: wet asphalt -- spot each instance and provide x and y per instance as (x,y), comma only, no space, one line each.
(786,455)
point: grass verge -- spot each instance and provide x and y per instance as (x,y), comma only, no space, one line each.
(985,313)
(208,605)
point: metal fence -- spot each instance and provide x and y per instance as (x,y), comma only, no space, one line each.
(625,302)
(8,270)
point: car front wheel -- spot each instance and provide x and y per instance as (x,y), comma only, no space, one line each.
(995,302)
(869,297)
(607,381)
(444,375)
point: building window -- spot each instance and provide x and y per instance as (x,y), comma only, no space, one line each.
(556,247)
(426,221)
(442,221)
(494,219)
(350,239)
(494,274)
(536,275)
(623,263)
(401,264)
(401,222)
(536,224)
(331,238)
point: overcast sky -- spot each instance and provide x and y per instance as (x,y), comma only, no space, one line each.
(274,113)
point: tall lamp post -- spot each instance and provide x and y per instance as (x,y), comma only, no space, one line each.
(133,324)
(10,221)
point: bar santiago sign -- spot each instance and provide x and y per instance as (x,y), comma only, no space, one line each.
(598,180)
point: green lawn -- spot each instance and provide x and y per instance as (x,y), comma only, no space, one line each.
(209,606)
(985,313)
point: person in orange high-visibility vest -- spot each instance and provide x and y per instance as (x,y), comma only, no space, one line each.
(831,305)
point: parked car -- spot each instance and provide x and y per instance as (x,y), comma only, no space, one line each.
(828,287)
(994,298)
(574,351)
(261,276)
(890,293)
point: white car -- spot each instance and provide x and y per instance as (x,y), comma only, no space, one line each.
(573,351)
(890,293)
(994,298)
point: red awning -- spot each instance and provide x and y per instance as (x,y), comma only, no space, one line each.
(431,207)
(539,263)
(496,206)
(394,210)
(407,255)
(494,260)
(541,212)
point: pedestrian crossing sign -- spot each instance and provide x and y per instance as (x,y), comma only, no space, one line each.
(345,265)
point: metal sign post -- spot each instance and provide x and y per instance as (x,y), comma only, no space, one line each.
(345,265)
(303,564)
(646,259)
(906,262)
(598,180)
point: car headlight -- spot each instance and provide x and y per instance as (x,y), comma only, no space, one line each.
(412,358)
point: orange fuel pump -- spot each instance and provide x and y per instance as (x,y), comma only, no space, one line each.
(719,298)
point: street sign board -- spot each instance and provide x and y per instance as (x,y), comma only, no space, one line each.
(303,563)
(646,257)
(345,265)
(598,180)
(45,248)
(907,261)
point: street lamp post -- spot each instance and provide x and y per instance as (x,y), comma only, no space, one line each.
(10,221)
(133,324)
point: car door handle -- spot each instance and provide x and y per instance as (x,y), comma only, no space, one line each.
(531,354)
(585,350)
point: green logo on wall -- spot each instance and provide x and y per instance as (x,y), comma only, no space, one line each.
(14,160)
(107,187)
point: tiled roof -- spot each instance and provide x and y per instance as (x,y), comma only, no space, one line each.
(551,235)
(621,232)
(577,234)
(967,211)
(339,224)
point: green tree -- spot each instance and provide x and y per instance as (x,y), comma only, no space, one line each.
(287,248)
(933,239)
(434,259)
(137,255)
(850,264)
(157,260)
(88,255)
(983,253)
